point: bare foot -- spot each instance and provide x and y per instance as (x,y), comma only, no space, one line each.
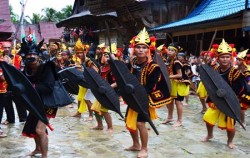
(231,145)
(97,128)
(133,148)
(33,153)
(89,119)
(177,124)
(77,114)
(207,138)
(142,154)
(6,122)
(167,121)
(109,131)
(70,106)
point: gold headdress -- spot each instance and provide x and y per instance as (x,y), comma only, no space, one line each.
(224,48)
(113,49)
(18,45)
(79,47)
(242,54)
(175,46)
(63,47)
(160,47)
(107,50)
(102,45)
(142,38)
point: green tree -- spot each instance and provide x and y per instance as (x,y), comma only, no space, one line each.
(67,11)
(14,17)
(64,13)
(50,15)
(59,16)
(35,19)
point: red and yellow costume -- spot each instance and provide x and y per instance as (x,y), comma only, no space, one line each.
(106,74)
(234,78)
(79,48)
(3,83)
(245,70)
(179,87)
(150,76)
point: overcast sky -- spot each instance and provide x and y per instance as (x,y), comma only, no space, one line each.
(35,6)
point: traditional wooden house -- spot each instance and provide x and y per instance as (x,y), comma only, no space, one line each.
(46,30)
(6,28)
(42,30)
(228,19)
(125,17)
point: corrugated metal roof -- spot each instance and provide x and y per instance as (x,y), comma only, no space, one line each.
(6,26)
(206,11)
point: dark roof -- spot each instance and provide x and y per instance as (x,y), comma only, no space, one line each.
(208,10)
(84,17)
(6,26)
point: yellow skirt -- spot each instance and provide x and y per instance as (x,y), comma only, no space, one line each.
(214,115)
(201,91)
(131,119)
(81,93)
(178,88)
(83,106)
(97,107)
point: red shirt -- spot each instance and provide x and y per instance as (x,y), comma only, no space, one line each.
(3,83)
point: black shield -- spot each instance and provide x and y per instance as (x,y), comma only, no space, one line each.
(24,93)
(102,90)
(220,92)
(131,90)
(157,58)
(72,78)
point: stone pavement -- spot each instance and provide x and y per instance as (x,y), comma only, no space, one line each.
(73,138)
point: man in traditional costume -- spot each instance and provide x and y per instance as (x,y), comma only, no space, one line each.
(186,74)
(3,93)
(234,78)
(106,73)
(89,96)
(205,57)
(179,88)
(9,109)
(66,57)
(99,52)
(245,70)
(79,59)
(150,76)
(42,76)
(53,48)
(162,50)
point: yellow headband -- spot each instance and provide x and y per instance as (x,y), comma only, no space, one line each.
(173,48)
